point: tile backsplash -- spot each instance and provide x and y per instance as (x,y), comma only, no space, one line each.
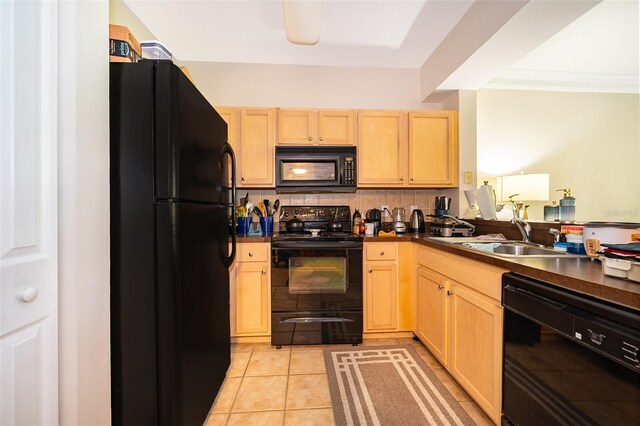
(363,199)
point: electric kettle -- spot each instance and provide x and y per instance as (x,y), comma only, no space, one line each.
(416,221)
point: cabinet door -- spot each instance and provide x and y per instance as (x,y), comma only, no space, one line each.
(381,297)
(432,313)
(250,303)
(229,115)
(381,148)
(256,157)
(335,127)
(296,126)
(476,347)
(433,148)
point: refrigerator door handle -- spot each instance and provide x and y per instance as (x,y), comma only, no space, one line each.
(227,149)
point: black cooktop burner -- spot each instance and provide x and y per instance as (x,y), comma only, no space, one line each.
(320,236)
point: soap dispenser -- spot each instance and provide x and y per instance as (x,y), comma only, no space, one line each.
(567,206)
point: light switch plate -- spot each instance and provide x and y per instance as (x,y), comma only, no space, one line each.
(468,176)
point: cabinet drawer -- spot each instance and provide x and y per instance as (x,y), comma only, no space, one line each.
(380,251)
(252,252)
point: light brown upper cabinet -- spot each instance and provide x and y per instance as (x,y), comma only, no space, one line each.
(231,117)
(315,127)
(255,156)
(433,148)
(418,149)
(381,148)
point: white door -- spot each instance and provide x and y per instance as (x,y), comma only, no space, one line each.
(28,219)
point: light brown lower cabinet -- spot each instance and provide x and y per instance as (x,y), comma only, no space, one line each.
(250,299)
(459,319)
(432,314)
(388,287)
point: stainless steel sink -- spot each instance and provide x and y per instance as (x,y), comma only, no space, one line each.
(513,249)
(517,249)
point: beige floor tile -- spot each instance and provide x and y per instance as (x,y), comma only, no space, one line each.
(379,342)
(239,361)
(216,420)
(242,347)
(226,395)
(261,394)
(428,358)
(270,347)
(268,363)
(307,362)
(318,417)
(297,348)
(476,413)
(308,391)
(452,386)
(262,418)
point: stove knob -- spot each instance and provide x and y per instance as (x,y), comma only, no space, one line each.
(296,212)
(286,214)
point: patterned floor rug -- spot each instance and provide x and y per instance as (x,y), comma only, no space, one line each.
(388,385)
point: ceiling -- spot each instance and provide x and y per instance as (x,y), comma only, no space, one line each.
(595,51)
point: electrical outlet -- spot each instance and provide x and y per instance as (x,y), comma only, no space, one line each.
(468,176)
(383,207)
(384,212)
(412,208)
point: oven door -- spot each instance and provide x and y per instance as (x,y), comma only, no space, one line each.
(316,276)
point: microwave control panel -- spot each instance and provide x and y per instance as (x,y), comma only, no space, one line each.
(348,170)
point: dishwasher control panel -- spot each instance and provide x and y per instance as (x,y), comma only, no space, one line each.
(613,343)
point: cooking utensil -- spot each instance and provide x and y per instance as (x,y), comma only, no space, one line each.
(334,226)
(276,205)
(295,225)
(266,207)
(257,211)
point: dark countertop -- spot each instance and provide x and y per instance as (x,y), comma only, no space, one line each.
(253,239)
(579,274)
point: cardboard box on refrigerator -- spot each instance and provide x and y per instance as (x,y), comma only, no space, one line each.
(123,46)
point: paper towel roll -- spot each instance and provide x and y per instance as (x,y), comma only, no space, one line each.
(485,201)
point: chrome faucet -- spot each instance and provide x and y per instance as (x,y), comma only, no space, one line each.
(524,228)
(556,234)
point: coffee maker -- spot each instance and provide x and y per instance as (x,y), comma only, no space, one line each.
(375,216)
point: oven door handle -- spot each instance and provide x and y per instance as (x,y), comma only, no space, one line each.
(306,320)
(317,245)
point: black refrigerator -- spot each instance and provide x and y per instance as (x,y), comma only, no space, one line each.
(170,203)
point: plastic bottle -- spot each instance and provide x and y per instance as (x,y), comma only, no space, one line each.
(567,206)
(357,218)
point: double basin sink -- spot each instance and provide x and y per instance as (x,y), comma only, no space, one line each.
(512,249)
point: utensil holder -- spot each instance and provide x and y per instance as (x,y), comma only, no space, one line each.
(243,226)
(440,212)
(267,225)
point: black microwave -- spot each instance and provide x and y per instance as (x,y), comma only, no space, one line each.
(316,169)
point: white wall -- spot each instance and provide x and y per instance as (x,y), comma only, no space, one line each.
(257,85)
(83,228)
(589,142)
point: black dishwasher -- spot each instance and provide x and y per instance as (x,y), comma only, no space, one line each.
(569,359)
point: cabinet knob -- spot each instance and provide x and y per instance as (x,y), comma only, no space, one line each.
(401,179)
(370,270)
(449,292)
(29,294)
(381,253)
(264,272)
(440,286)
(250,254)
(411,179)
(320,138)
(310,138)
(242,178)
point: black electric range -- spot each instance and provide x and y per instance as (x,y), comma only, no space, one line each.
(316,279)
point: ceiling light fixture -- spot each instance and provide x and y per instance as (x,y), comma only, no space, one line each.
(303,20)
